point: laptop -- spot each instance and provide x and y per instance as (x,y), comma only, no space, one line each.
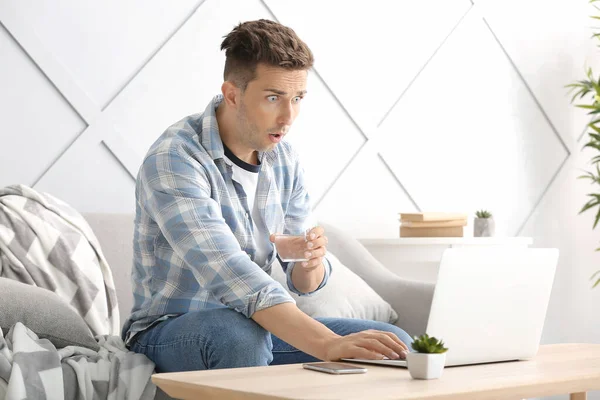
(489,304)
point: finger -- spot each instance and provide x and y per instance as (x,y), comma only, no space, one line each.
(312,263)
(390,339)
(361,352)
(316,243)
(377,346)
(316,253)
(399,348)
(315,232)
(272,238)
(396,339)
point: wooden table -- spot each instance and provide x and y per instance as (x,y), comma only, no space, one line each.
(557,369)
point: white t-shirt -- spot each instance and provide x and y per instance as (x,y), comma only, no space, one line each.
(247,175)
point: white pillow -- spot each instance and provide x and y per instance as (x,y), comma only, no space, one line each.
(345,295)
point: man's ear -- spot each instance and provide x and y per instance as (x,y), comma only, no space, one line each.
(231,94)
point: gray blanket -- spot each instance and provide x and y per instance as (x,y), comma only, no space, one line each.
(44,242)
(35,369)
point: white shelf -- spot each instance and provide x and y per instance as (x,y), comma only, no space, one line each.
(485,241)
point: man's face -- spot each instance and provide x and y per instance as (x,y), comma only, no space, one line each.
(269,106)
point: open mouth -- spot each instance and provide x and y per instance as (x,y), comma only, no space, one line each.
(275,137)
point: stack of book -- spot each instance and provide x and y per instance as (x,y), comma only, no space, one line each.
(432,224)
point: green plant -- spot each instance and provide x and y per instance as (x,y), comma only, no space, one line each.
(484,213)
(429,345)
(581,89)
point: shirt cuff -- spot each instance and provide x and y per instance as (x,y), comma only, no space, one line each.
(269,296)
(290,283)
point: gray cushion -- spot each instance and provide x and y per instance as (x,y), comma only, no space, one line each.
(45,313)
(345,295)
(115,234)
(410,299)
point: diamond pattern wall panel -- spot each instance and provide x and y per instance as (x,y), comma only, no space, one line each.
(181,79)
(103,43)
(188,72)
(366,199)
(461,128)
(90,178)
(546,40)
(555,223)
(33,128)
(324,136)
(463,138)
(368,53)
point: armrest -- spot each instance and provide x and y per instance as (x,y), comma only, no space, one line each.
(3,388)
(410,299)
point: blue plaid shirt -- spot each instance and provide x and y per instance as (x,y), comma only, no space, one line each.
(193,240)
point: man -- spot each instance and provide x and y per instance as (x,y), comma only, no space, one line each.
(209,193)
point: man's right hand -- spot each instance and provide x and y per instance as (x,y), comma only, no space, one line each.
(291,325)
(370,344)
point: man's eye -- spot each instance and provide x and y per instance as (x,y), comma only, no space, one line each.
(272,98)
(297,99)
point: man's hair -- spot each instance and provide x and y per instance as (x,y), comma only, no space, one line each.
(262,41)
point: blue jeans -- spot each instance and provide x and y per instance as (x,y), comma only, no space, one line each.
(224,338)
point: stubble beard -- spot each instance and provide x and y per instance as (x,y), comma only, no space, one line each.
(249,133)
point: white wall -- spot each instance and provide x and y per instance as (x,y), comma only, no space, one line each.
(437,105)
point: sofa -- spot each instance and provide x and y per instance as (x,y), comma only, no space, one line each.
(411,300)
(359,287)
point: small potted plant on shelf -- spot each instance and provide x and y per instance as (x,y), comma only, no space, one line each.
(484,224)
(429,358)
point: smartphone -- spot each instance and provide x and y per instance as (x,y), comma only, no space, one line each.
(335,368)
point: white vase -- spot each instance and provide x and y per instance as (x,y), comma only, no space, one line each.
(484,227)
(425,366)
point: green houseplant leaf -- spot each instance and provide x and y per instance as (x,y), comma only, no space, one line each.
(428,345)
(590,89)
(483,214)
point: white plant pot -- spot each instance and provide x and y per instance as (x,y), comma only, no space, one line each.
(426,366)
(484,227)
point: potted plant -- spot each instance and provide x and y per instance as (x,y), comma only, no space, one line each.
(429,358)
(484,224)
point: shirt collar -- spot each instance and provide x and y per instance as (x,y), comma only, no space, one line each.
(211,139)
